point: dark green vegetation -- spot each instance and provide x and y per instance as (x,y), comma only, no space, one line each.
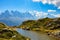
(6,33)
(45,23)
(50,26)
(10,35)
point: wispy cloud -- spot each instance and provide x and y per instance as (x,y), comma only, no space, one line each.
(13,19)
(38,14)
(36,0)
(55,2)
(55,15)
(51,10)
(59,7)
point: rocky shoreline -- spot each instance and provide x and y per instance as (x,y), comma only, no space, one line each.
(55,34)
(51,33)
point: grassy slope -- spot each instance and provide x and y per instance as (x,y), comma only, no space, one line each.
(46,23)
(6,33)
(51,26)
(11,35)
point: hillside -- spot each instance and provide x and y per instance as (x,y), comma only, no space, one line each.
(50,26)
(46,23)
(6,33)
(2,25)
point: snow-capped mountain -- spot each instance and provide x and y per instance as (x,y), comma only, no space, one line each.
(13,18)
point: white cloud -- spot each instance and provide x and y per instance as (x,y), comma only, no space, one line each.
(51,10)
(55,2)
(44,1)
(36,0)
(39,14)
(59,7)
(56,15)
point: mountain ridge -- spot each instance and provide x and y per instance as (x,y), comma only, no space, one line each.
(13,18)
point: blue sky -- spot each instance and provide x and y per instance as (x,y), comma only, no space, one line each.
(39,7)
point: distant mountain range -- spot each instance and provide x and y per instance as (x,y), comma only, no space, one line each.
(13,18)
